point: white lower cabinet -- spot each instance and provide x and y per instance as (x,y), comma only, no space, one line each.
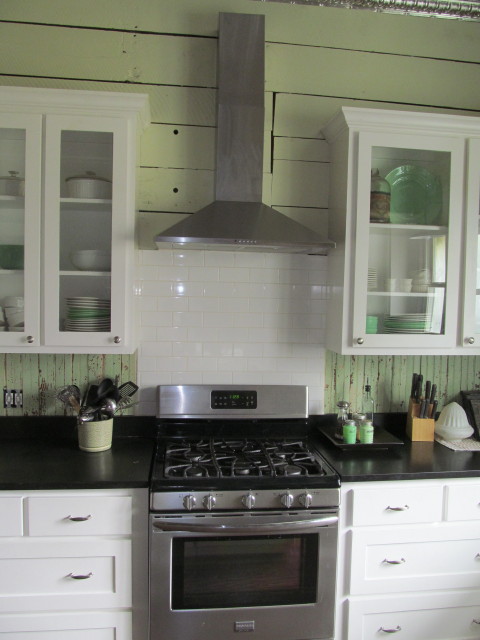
(409,560)
(73,565)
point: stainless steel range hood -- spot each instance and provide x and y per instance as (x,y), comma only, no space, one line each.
(238,219)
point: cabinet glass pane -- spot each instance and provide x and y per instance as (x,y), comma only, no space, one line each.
(85,231)
(407,250)
(12,229)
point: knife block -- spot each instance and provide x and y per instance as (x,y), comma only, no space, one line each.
(419,429)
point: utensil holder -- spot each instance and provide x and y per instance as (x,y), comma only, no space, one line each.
(419,429)
(95,436)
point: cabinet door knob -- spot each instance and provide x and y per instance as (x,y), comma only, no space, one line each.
(30,339)
(470,340)
(396,630)
(360,340)
(117,339)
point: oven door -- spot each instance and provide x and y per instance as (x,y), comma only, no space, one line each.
(217,575)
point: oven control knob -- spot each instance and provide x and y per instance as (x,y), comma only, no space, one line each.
(305,500)
(189,502)
(248,500)
(209,502)
(286,499)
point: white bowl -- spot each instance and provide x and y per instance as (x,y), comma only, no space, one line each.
(91,260)
(452,423)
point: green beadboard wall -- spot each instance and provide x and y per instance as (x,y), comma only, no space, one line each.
(39,376)
(391,376)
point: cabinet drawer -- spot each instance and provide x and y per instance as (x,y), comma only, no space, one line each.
(79,515)
(93,625)
(463,502)
(427,620)
(37,575)
(405,504)
(11,520)
(415,559)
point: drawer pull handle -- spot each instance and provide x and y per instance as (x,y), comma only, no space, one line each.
(476,621)
(401,561)
(80,576)
(404,508)
(396,630)
(78,518)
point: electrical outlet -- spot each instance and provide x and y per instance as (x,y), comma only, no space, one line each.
(12,398)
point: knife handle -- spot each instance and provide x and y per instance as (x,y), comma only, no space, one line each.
(428,386)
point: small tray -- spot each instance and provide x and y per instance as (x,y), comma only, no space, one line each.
(382,439)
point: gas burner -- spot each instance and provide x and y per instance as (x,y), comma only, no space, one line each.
(230,458)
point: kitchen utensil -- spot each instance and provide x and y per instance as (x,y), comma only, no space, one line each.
(70,395)
(104,389)
(91,397)
(127,389)
(414,385)
(107,407)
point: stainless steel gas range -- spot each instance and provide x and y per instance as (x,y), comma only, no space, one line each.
(243,517)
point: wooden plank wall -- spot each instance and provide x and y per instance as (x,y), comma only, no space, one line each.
(317,59)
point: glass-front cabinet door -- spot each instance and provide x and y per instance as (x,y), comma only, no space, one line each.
(470,334)
(84,246)
(20,224)
(408,237)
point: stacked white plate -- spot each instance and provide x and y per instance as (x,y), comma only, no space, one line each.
(407,323)
(372,279)
(87,314)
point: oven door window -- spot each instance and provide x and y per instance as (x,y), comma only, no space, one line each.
(249,571)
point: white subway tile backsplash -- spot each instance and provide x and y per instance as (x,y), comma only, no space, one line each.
(230,318)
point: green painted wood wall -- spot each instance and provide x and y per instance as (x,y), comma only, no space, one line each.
(39,376)
(391,376)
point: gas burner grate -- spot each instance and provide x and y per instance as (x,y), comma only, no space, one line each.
(234,458)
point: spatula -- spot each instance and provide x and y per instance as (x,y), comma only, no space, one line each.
(127,389)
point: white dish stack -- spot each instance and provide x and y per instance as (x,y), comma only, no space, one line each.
(372,284)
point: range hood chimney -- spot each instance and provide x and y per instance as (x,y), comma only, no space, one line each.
(238,219)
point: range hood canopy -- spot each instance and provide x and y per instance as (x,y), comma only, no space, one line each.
(238,219)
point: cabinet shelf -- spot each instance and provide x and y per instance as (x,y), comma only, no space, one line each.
(419,229)
(89,274)
(405,294)
(86,204)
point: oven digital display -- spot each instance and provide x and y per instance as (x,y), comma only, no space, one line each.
(231,399)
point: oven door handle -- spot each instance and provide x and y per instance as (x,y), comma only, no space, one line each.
(280,526)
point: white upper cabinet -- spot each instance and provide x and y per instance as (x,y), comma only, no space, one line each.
(67,219)
(403,277)
(470,334)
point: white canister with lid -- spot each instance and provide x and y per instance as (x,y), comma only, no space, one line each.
(12,185)
(89,185)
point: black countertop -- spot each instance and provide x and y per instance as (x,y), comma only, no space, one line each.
(409,461)
(42,453)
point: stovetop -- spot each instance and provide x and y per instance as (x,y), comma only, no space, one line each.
(221,462)
(240,457)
